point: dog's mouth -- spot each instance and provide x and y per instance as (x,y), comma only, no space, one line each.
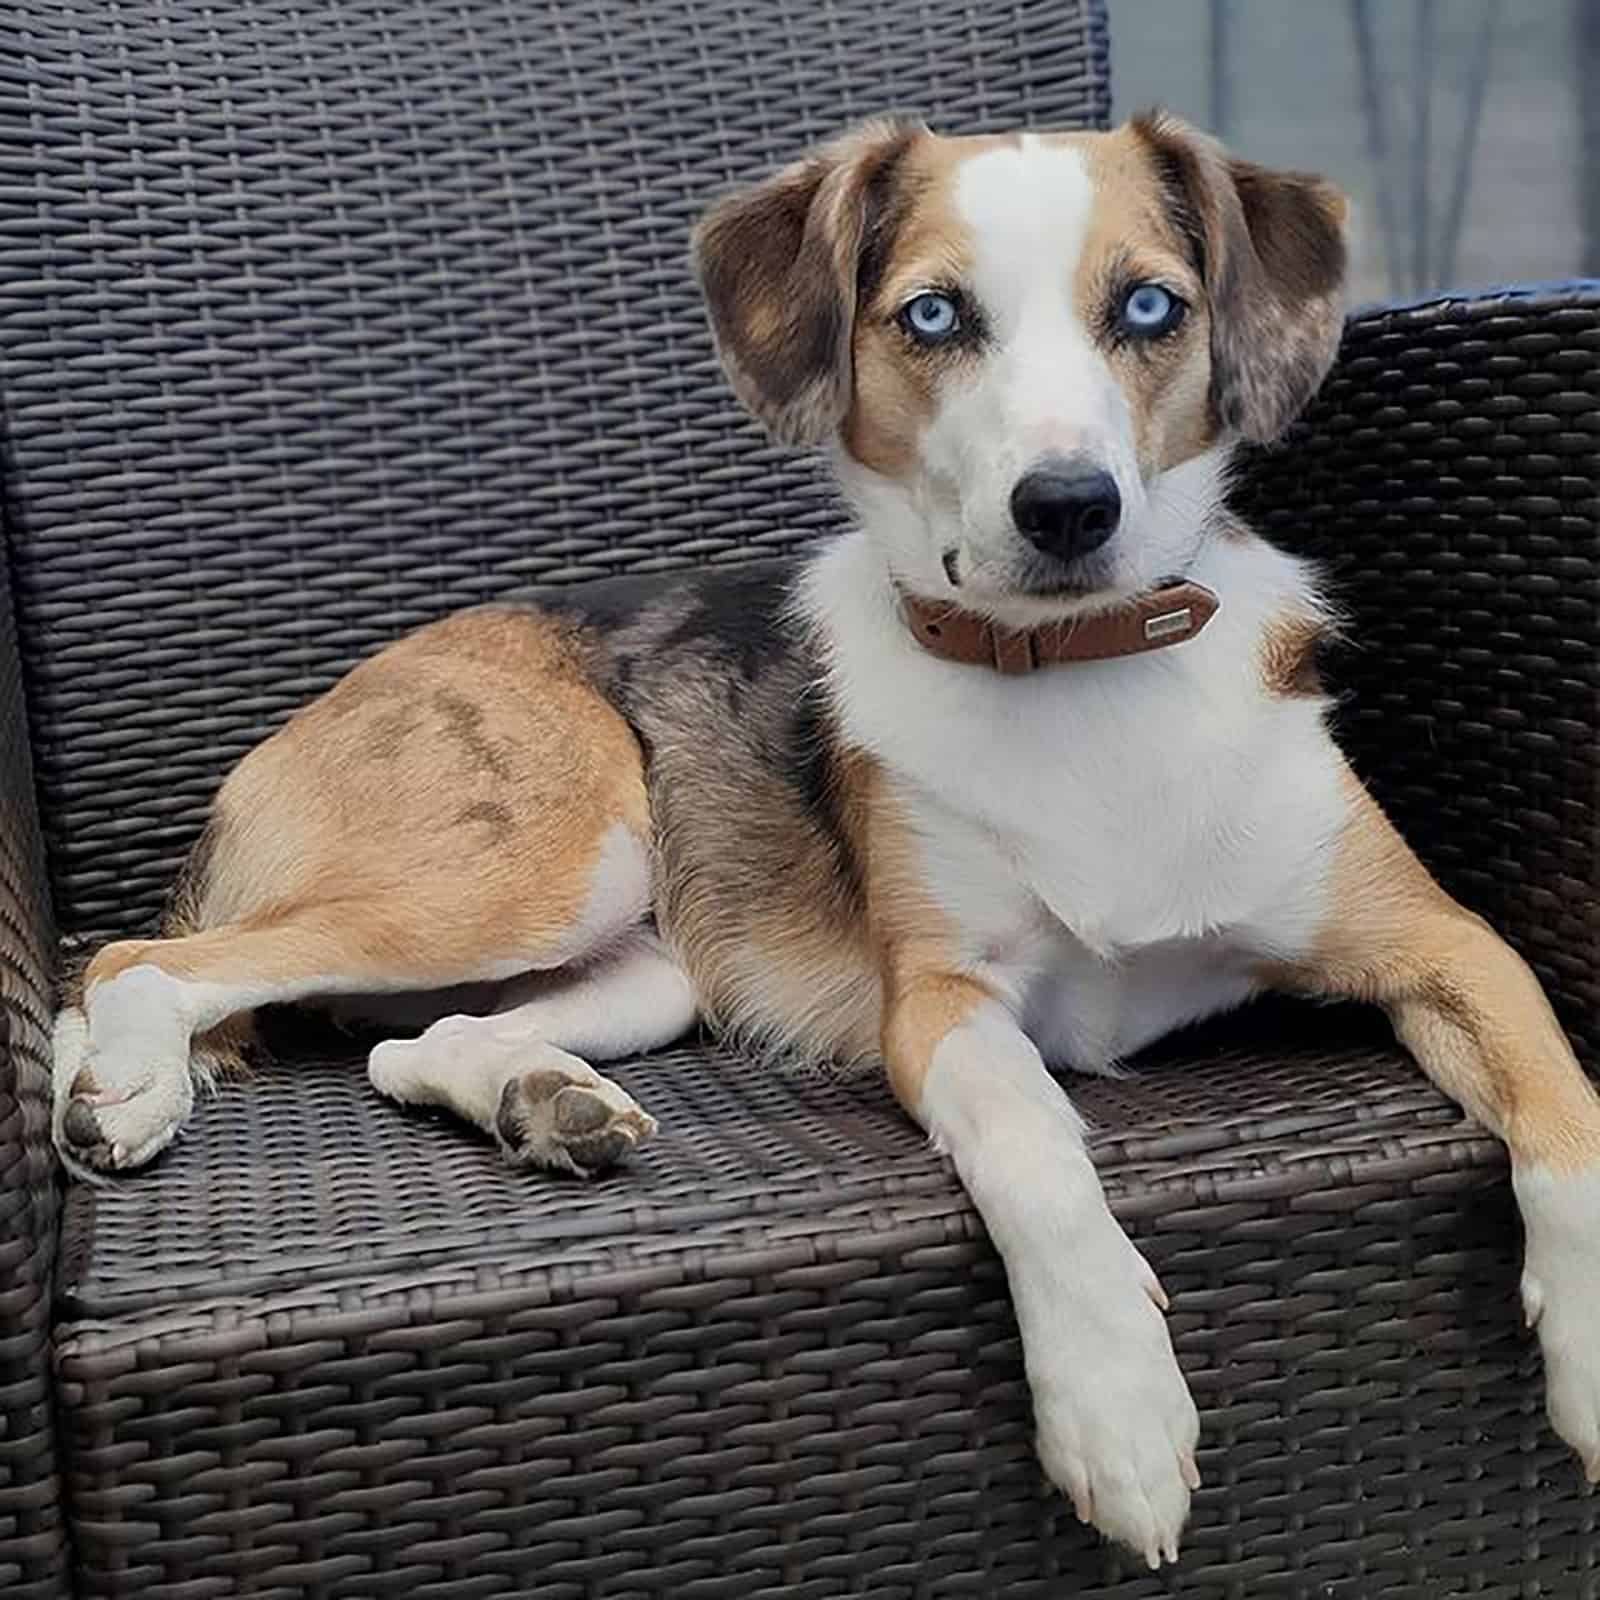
(1033,590)
(1041,578)
(1038,578)
(1059,587)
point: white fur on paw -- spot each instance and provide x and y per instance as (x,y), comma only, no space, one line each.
(545,1108)
(459,1062)
(109,1114)
(1561,1297)
(1117,1428)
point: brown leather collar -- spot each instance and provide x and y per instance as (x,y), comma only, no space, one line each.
(1150,622)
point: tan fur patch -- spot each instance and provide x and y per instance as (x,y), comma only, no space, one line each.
(920,1016)
(1289,656)
(1132,238)
(478,744)
(1461,999)
(893,401)
(923,244)
(924,993)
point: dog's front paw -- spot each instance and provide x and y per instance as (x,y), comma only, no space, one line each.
(1561,1297)
(1117,1428)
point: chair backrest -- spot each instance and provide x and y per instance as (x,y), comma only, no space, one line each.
(319,318)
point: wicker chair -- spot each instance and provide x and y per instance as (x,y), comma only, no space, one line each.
(318,319)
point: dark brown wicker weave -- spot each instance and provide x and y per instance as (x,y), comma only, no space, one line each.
(320,319)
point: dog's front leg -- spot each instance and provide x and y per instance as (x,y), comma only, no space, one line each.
(1115,1424)
(1473,1014)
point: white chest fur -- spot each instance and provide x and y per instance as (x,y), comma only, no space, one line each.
(1116,841)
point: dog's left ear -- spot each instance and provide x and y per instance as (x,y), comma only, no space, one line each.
(778,265)
(1271,249)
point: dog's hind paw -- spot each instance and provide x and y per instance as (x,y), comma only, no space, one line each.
(109,1120)
(561,1113)
(1561,1297)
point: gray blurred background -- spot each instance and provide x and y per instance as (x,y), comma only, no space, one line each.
(1467,131)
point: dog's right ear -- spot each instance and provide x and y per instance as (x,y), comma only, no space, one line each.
(778,266)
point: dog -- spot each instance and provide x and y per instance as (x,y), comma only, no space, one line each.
(1028,769)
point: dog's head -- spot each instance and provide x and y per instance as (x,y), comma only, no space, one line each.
(1029,351)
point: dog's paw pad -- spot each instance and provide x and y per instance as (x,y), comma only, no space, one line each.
(80,1128)
(112,1130)
(569,1118)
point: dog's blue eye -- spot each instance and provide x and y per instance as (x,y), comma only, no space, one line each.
(1150,311)
(931,318)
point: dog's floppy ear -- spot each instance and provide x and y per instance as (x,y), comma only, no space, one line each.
(778,265)
(1271,250)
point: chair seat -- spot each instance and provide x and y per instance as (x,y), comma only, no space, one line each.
(344,1344)
(301,1174)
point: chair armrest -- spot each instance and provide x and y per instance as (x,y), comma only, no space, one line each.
(32,1556)
(1449,477)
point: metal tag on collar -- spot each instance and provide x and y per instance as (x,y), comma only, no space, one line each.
(1173,624)
(1178,609)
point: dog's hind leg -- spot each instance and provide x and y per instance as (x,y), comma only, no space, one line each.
(519,1074)
(466,806)
(124,1083)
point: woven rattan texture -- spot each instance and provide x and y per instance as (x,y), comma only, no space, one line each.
(31,1549)
(319,320)
(775,1358)
(328,1348)
(1450,477)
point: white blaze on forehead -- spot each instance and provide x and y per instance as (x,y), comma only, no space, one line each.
(1043,387)
(1028,208)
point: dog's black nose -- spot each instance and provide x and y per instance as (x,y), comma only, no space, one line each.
(1064,509)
